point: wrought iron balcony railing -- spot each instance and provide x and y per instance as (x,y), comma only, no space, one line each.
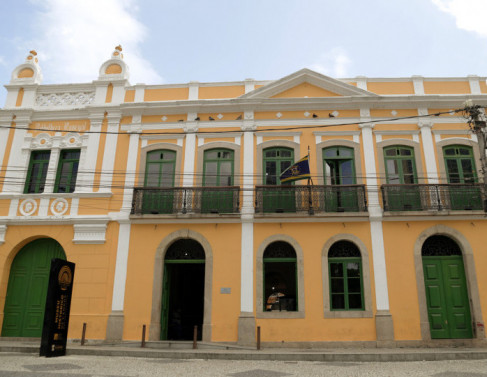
(311,199)
(182,200)
(426,197)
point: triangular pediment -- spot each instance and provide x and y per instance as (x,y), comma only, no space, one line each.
(307,83)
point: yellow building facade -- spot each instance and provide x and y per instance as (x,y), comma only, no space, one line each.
(168,198)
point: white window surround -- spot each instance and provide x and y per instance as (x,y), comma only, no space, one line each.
(260,313)
(295,135)
(271,144)
(338,143)
(367,295)
(400,142)
(457,141)
(156,146)
(213,145)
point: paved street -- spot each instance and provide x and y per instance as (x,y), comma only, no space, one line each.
(17,365)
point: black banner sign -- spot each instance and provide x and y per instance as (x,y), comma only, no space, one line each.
(58,303)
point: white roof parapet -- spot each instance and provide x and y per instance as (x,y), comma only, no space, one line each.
(28,72)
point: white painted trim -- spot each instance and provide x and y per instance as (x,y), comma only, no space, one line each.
(12,212)
(3,140)
(397,132)
(143,143)
(194,87)
(43,207)
(189,155)
(52,169)
(336,133)
(247,268)
(429,152)
(248,175)
(121,267)
(452,132)
(89,233)
(370,170)
(86,173)
(109,156)
(139,92)
(249,85)
(74,207)
(132,158)
(473,80)
(379,261)
(3,231)
(17,164)
(418,85)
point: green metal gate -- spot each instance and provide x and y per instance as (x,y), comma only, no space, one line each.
(27,288)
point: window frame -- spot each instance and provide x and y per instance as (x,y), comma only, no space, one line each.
(71,183)
(42,180)
(160,163)
(218,162)
(400,173)
(277,160)
(367,311)
(343,261)
(259,274)
(339,143)
(160,146)
(449,142)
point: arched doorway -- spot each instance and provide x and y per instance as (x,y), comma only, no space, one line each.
(183,290)
(27,288)
(447,298)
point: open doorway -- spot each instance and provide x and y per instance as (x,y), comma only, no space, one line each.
(183,291)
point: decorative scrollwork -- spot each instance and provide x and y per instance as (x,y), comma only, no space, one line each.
(65,99)
(185,249)
(344,249)
(440,246)
(279,249)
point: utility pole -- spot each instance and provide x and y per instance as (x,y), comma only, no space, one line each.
(476,120)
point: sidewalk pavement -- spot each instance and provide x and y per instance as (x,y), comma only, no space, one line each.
(216,351)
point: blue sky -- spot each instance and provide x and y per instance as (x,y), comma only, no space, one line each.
(225,40)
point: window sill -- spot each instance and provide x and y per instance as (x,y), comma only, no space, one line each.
(348,314)
(276,314)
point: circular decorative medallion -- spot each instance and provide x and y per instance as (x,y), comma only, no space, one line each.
(28,207)
(59,207)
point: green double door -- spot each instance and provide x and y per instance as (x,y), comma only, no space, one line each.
(460,168)
(218,174)
(27,288)
(159,182)
(339,169)
(280,198)
(447,297)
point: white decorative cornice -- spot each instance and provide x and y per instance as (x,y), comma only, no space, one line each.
(367,125)
(89,233)
(425,123)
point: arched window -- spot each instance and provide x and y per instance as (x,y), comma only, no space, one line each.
(345,274)
(276,160)
(280,285)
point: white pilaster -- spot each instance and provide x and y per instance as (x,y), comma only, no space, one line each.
(418,85)
(194,87)
(133,153)
(247,268)
(380,272)
(139,92)
(429,151)
(361,82)
(249,85)
(473,80)
(5,122)
(375,211)
(86,175)
(52,170)
(109,153)
(17,164)
(121,267)
(189,153)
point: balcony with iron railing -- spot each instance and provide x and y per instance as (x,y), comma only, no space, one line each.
(186,200)
(433,197)
(310,199)
(268,199)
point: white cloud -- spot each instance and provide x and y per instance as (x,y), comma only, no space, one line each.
(333,63)
(469,14)
(76,37)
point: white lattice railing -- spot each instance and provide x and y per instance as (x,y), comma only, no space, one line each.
(65,99)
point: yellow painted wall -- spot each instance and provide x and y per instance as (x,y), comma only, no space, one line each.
(129,96)
(144,241)
(167,94)
(209,92)
(389,88)
(446,87)
(93,281)
(314,327)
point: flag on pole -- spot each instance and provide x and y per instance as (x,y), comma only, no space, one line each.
(300,170)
